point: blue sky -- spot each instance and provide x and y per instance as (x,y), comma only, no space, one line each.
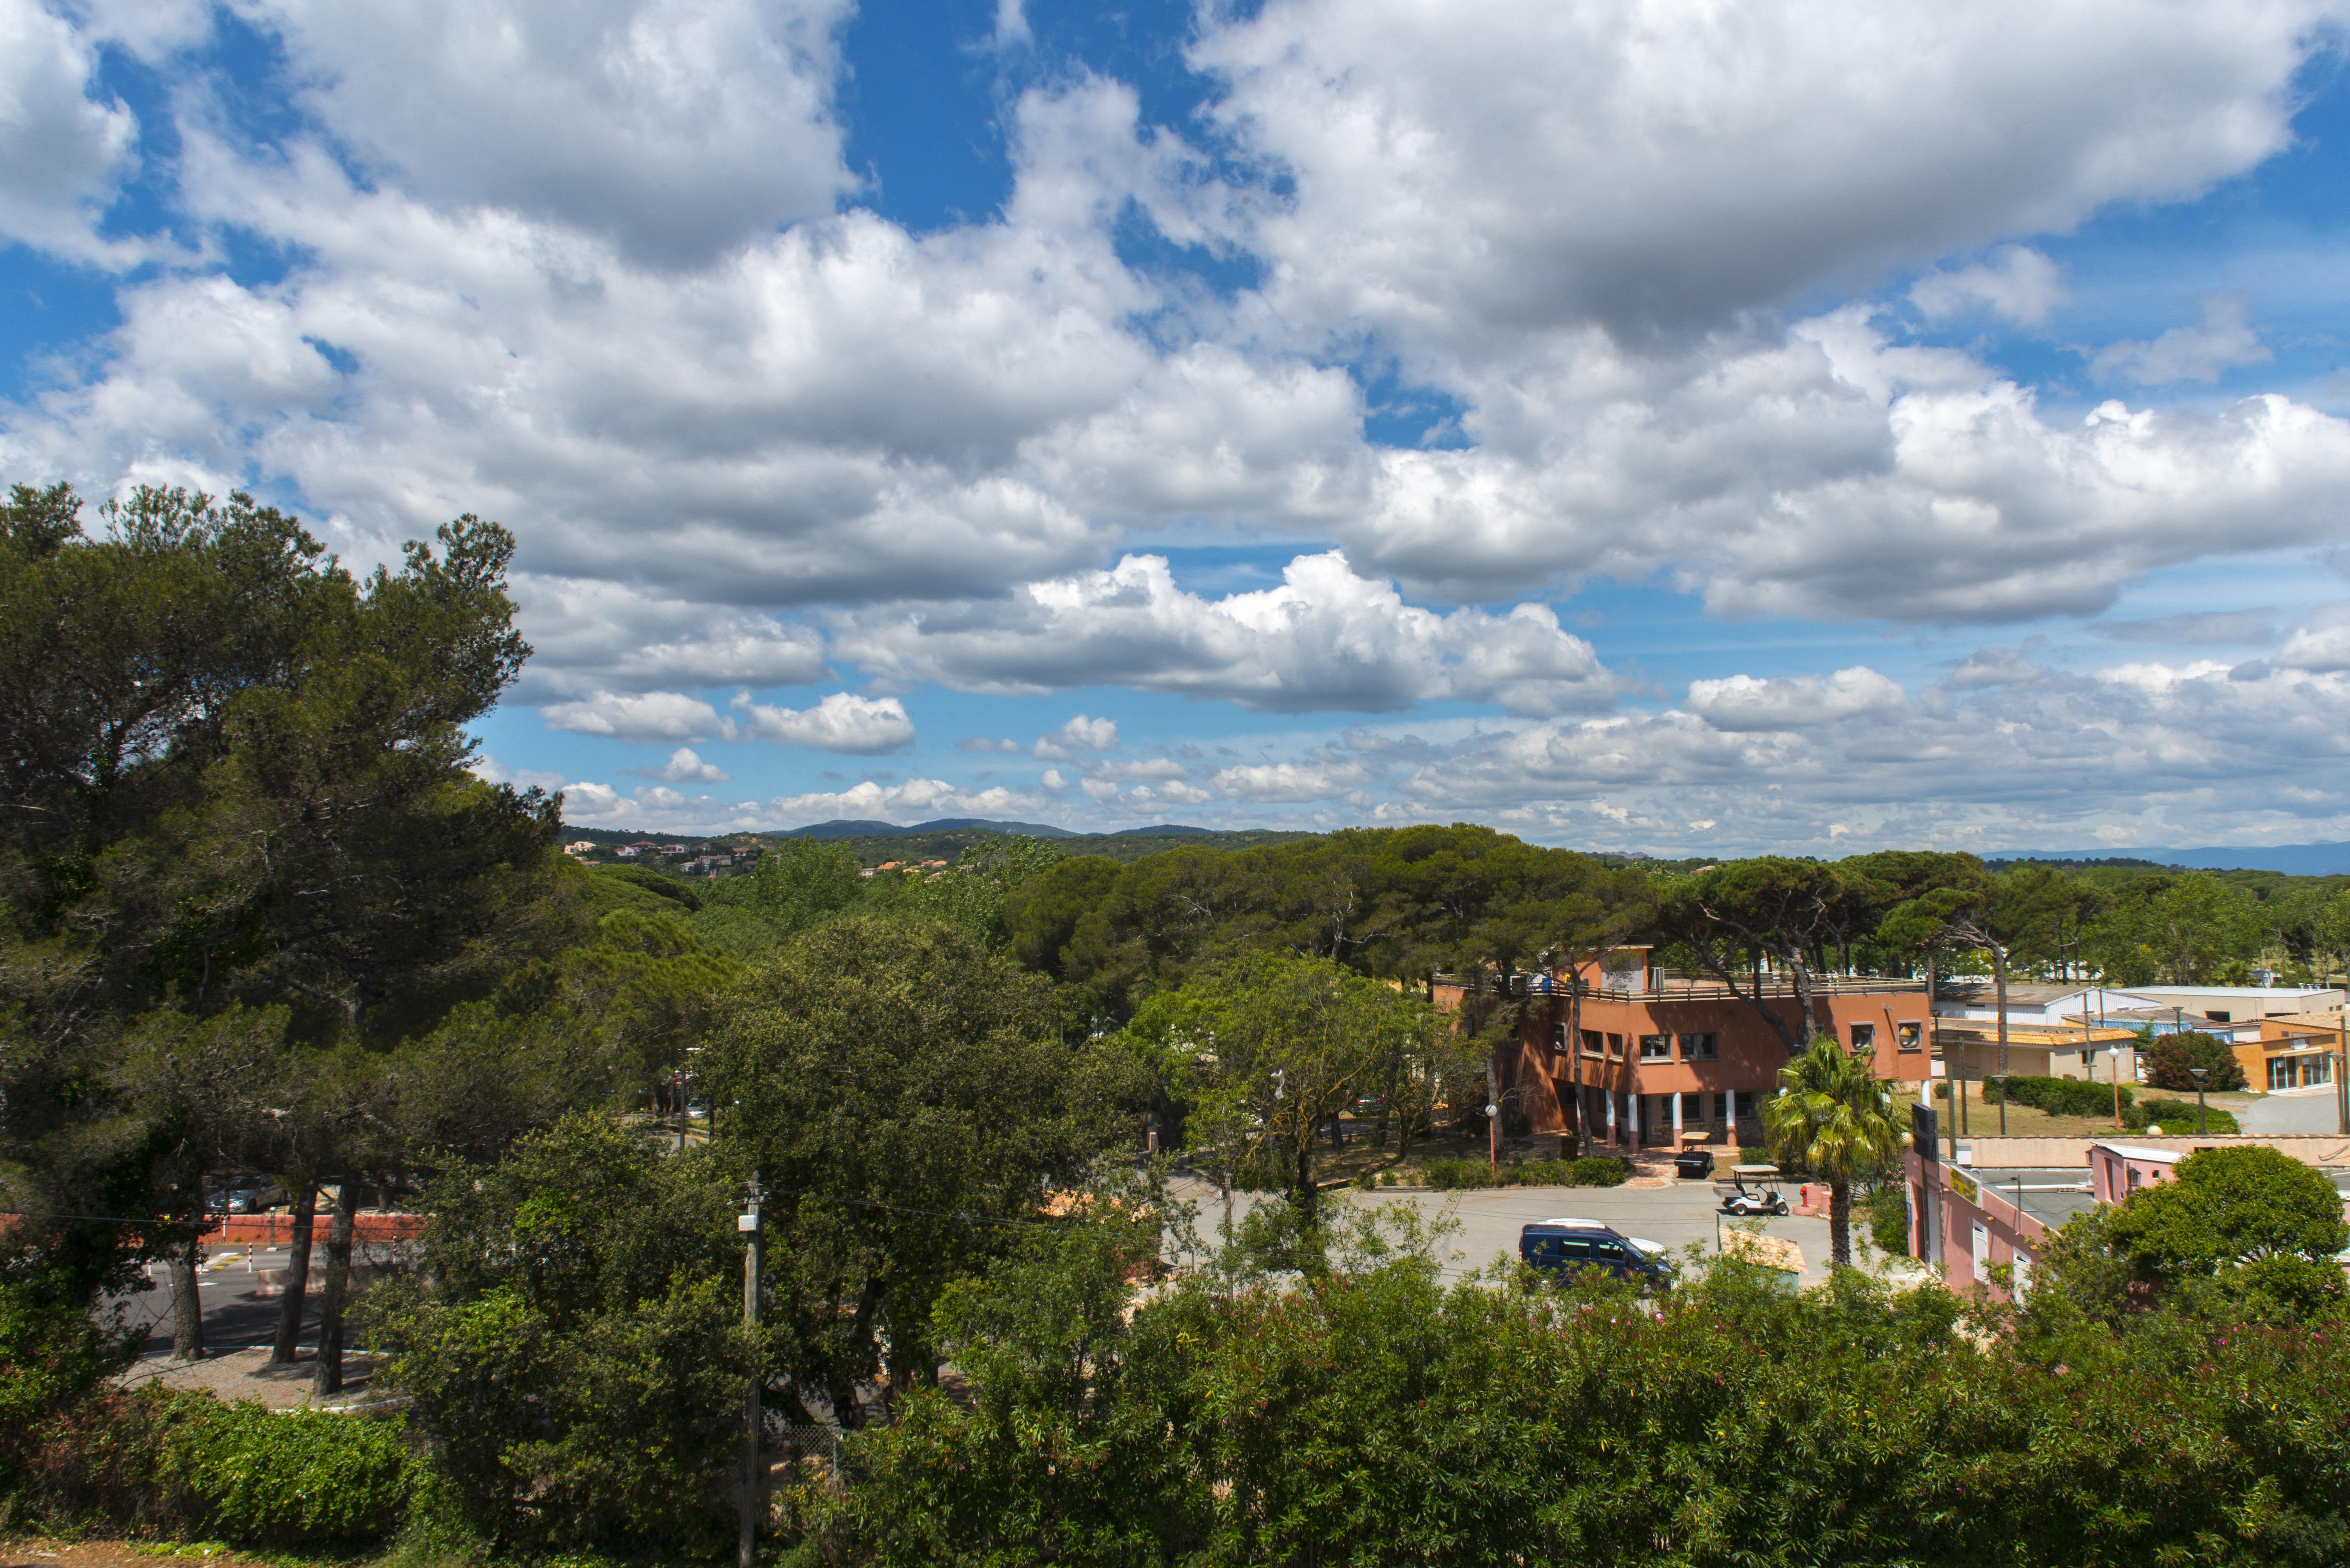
(1724,429)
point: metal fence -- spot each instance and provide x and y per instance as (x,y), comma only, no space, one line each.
(797,1442)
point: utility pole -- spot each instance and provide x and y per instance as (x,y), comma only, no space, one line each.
(2199,1123)
(746,1533)
(2114,1061)
(2341,1074)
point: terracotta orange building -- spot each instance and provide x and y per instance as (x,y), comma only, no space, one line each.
(1657,1055)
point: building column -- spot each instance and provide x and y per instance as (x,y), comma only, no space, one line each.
(1611,1117)
(1730,1109)
(1676,1121)
(1639,1119)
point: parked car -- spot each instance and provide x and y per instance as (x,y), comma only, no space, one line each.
(1562,1247)
(1693,1163)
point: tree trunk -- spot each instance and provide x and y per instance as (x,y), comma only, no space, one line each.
(327,1375)
(1493,1098)
(284,1350)
(187,1305)
(1308,1199)
(1999,980)
(1840,1223)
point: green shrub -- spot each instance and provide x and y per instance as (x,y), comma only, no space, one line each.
(291,1477)
(2178,1116)
(1888,1220)
(2057,1096)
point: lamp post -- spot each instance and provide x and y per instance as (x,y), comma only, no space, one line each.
(2199,1073)
(2113,1069)
(747,1518)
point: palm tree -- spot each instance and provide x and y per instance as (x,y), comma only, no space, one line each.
(1836,1117)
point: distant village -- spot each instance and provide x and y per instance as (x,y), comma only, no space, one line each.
(715,860)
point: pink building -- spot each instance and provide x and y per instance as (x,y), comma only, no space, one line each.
(1972,1223)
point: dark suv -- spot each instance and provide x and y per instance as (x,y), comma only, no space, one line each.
(1561,1247)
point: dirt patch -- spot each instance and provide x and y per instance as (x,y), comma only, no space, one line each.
(249,1374)
(40,1553)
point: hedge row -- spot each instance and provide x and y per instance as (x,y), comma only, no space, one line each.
(1591,1170)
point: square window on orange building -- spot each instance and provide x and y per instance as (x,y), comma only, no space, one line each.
(1591,1041)
(1906,1035)
(1863,1036)
(1616,1047)
(1697,1047)
(1656,1047)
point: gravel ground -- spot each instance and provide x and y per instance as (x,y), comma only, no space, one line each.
(42,1554)
(247,1375)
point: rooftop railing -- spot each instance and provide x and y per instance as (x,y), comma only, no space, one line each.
(1676,987)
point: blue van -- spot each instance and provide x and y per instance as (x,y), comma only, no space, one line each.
(1563,1247)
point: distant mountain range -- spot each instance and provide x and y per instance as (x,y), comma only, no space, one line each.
(2294,859)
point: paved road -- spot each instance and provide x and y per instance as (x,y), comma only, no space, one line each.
(1488,1220)
(2292,1111)
(234,1316)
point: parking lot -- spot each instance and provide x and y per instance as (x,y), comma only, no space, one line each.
(1487,1221)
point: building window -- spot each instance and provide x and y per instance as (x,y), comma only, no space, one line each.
(1591,1042)
(2300,1072)
(2219,1018)
(1907,1036)
(1697,1047)
(1656,1047)
(1616,1047)
(1864,1037)
(1721,1108)
(1558,1036)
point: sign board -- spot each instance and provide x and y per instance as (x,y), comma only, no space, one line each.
(1964,1186)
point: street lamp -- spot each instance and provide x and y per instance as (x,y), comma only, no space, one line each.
(2199,1073)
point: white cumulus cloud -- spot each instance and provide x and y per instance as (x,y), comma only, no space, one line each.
(1800,702)
(842,721)
(2016,282)
(641,716)
(2203,353)
(1325,638)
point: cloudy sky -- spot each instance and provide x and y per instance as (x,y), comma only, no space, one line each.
(1800,424)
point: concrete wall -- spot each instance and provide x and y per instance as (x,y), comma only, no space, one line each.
(2313,1148)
